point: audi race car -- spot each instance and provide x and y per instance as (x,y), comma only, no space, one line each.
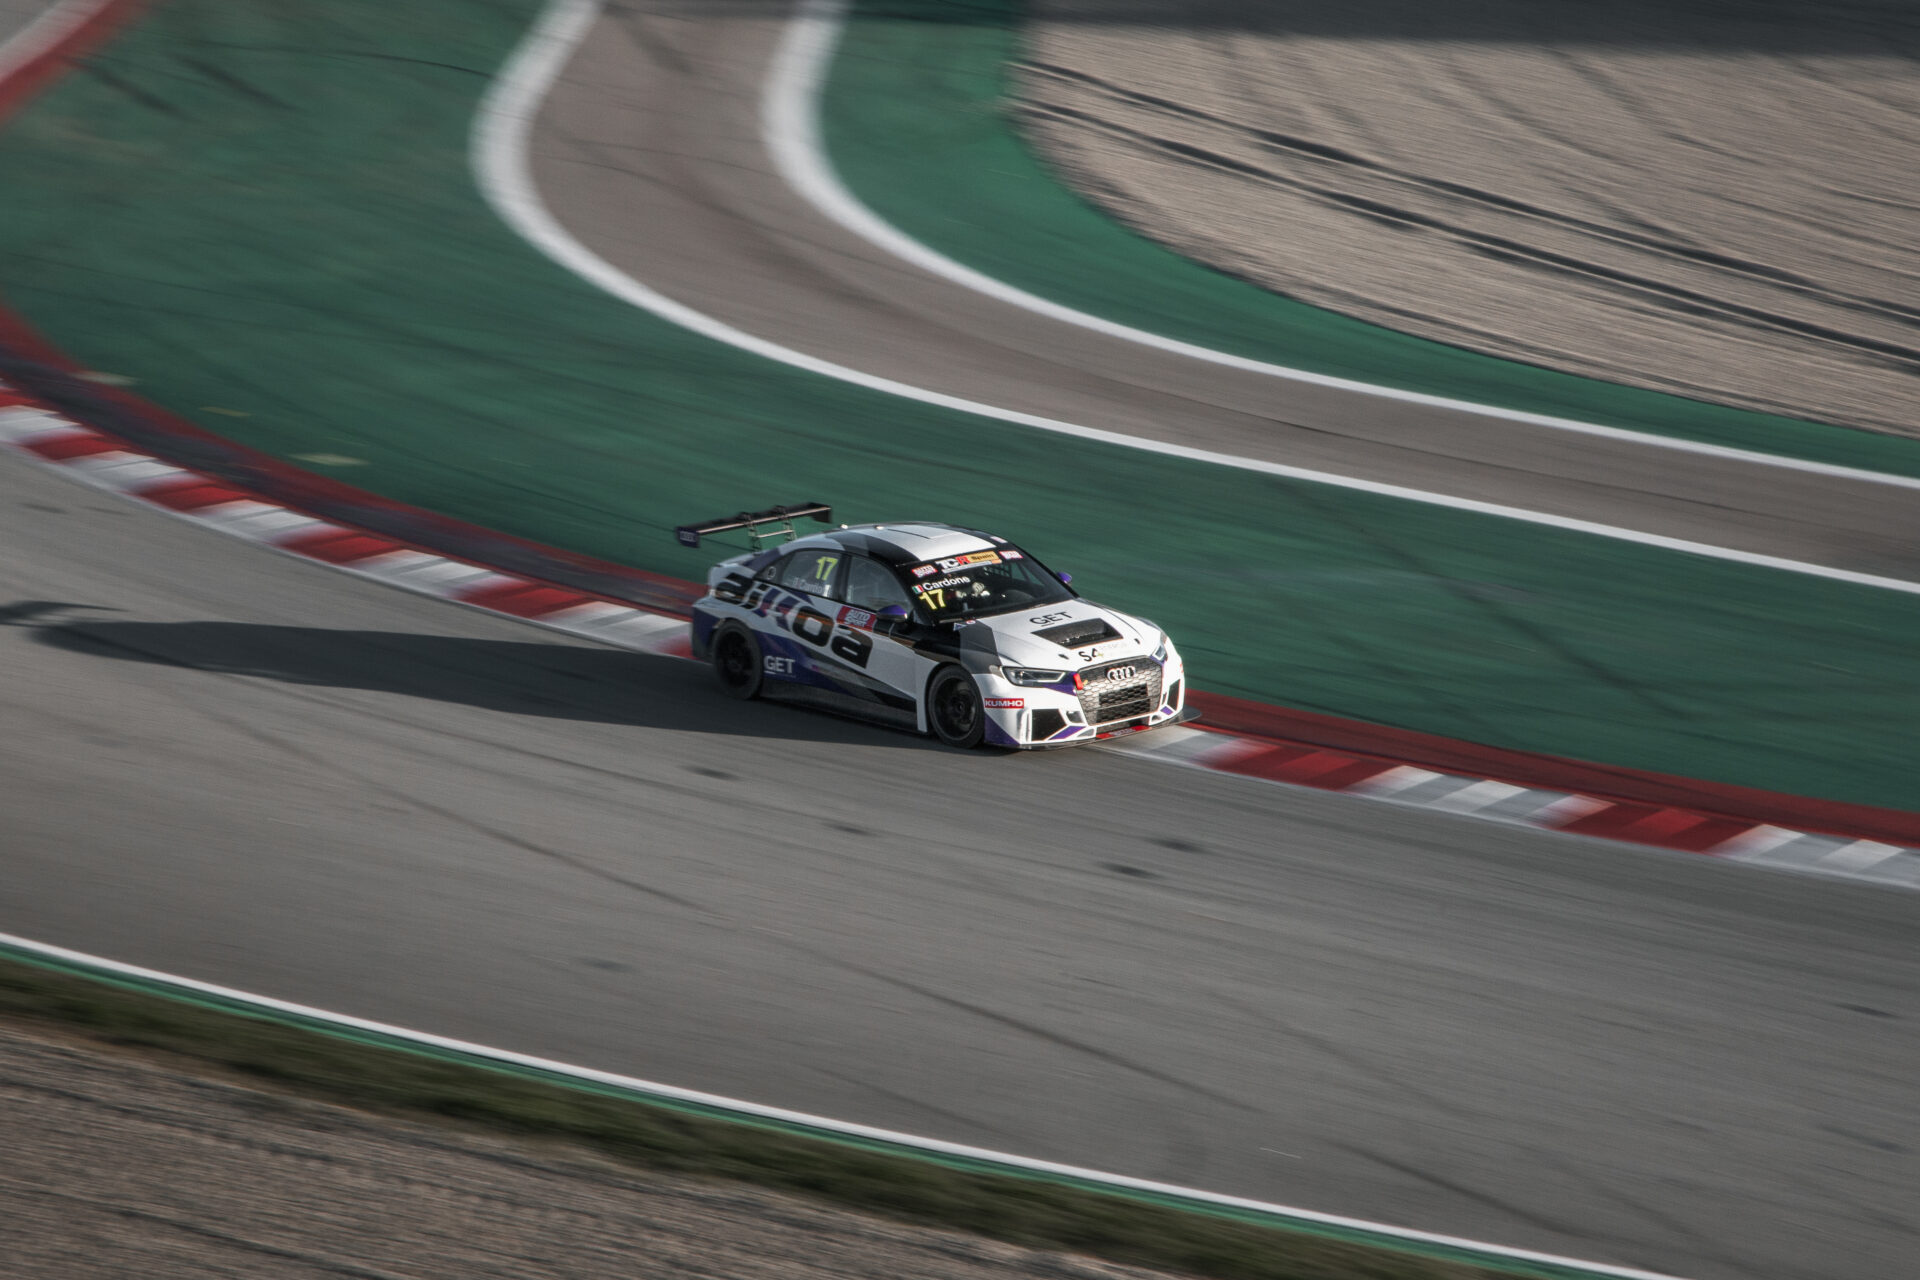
(943,630)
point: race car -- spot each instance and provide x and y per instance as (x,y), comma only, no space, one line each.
(930,627)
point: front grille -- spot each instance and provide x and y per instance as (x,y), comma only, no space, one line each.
(1112,692)
(1132,700)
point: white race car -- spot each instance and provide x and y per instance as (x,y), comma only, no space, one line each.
(943,630)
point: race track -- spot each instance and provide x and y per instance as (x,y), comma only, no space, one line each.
(650,151)
(250,770)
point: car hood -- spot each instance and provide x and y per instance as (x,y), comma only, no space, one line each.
(1067,636)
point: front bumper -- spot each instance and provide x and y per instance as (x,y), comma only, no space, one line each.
(1181,716)
(1032,717)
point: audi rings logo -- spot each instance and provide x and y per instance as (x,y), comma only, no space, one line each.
(1120,673)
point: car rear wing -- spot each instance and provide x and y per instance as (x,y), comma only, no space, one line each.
(689,535)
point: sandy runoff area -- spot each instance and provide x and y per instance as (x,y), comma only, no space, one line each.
(1715,199)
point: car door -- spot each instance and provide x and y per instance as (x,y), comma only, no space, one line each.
(794,614)
(896,672)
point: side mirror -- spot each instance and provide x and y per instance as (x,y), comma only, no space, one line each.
(890,618)
(1064,577)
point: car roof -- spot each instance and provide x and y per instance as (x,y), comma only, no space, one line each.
(904,544)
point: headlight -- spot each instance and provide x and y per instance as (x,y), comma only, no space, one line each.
(1032,675)
(1166,647)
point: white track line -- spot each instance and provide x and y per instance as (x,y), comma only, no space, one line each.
(790,123)
(671,1093)
(499,155)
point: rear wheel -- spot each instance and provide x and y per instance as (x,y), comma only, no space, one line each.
(954,709)
(736,662)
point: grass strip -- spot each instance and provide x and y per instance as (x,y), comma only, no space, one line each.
(360,1072)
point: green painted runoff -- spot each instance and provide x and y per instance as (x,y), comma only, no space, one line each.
(263,216)
(917,119)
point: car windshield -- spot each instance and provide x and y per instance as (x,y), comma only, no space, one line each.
(972,586)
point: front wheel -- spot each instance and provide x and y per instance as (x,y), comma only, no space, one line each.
(954,709)
(736,662)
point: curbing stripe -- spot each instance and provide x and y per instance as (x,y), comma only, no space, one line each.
(1478,796)
(1394,781)
(38,52)
(100,460)
(1859,856)
(1722,836)
(954,1155)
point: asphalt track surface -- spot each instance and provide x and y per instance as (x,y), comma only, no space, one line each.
(649,150)
(255,771)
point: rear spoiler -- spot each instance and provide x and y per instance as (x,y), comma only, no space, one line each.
(689,535)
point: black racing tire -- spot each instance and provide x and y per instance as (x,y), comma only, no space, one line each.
(736,661)
(954,710)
